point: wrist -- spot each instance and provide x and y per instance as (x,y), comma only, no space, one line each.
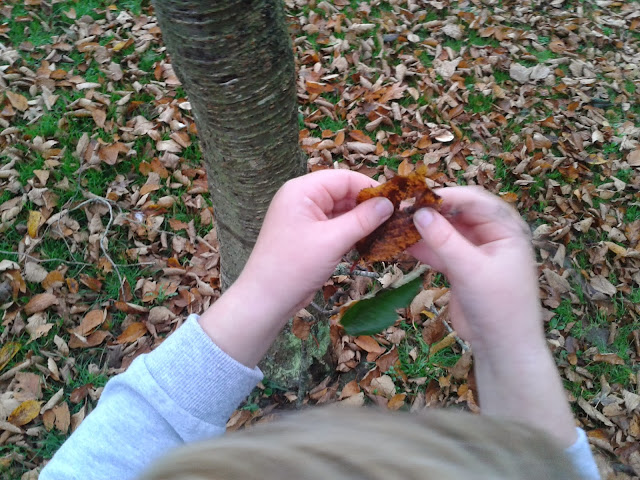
(242,323)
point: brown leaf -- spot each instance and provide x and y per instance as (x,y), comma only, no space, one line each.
(18,101)
(610,358)
(90,282)
(132,333)
(405,167)
(93,340)
(90,322)
(369,344)
(462,367)
(24,413)
(350,389)
(63,417)
(301,328)
(398,233)
(109,153)
(79,394)
(72,285)
(40,302)
(397,401)
(48,418)
(602,285)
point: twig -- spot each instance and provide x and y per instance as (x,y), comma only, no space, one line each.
(344,270)
(438,314)
(103,237)
(322,310)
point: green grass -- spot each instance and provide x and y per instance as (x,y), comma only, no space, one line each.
(425,365)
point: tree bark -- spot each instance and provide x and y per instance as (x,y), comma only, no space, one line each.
(235,61)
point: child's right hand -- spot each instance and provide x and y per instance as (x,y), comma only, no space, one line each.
(483,247)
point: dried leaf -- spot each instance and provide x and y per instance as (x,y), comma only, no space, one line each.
(33,223)
(52,280)
(7,352)
(132,333)
(398,233)
(18,101)
(40,302)
(610,358)
(397,401)
(90,322)
(25,412)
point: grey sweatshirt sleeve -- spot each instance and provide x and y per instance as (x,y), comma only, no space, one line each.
(183,391)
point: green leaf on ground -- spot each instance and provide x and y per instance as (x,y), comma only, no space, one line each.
(372,315)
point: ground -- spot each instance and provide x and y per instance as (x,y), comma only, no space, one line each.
(106,225)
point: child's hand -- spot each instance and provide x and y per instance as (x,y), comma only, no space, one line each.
(483,247)
(312,222)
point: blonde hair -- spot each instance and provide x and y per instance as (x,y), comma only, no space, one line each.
(350,444)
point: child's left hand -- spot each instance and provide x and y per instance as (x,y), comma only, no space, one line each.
(311,223)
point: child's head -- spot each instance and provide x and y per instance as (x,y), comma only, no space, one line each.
(344,443)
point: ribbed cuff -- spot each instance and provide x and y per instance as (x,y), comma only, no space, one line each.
(198,376)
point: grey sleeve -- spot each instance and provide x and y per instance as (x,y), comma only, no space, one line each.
(183,391)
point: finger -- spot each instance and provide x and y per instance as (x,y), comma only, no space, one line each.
(329,189)
(452,252)
(489,216)
(359,222)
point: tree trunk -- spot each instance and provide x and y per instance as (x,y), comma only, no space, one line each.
(235,61)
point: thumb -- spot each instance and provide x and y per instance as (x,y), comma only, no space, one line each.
(360,221)
(441,239)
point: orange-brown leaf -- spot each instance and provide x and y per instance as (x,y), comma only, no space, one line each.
(132,333)
(398,233)
(53,279)
(90,322)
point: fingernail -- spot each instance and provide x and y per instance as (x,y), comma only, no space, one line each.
(383,207)
(423,218)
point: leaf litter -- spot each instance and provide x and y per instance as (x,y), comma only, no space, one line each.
(535,101)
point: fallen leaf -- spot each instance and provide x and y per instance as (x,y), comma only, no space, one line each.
(602,285)
(17,100)
(33,223)
(24,413)
(132,333)
(7,352)
(90,322)
(368,344)
(399,232)
(610,358)
(40,302)
(383,385)
(397,401)
(90,282)
(52,280)
(34,272)
(300,328)
(63,417)
(442,344)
